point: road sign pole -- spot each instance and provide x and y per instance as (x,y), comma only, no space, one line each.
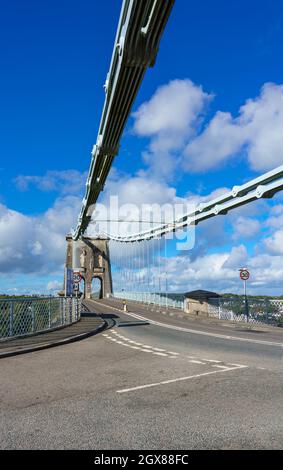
(246,301)
(244,275)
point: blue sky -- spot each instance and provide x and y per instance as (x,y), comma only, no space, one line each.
(54,60)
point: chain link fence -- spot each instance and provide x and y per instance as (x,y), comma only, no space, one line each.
(261,311)
(152,298)
(21,317)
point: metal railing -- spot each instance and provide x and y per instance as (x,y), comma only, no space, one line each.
(260,311)
(151,298)
(28,316)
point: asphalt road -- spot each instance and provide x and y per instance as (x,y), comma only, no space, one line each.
(171,384)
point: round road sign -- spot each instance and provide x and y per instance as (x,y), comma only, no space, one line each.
(244,274)
(77,278)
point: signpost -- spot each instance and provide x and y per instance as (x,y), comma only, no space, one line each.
(245,275)
(77,277)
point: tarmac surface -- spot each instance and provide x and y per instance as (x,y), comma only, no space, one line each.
(147,381)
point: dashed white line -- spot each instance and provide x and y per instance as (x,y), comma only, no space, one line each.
(163,352)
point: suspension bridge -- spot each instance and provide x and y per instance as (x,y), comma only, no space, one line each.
(133,264)
(154,377)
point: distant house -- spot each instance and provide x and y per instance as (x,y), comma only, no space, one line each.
(197,301)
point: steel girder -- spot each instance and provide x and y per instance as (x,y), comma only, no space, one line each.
(136,46)
(265,186)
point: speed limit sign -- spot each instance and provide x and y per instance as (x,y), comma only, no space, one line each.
(244,274)
(77,278)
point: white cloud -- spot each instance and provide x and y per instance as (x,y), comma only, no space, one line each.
(274,244)
(257,131)
(221,138)
(170,118)
(54,286)
(36,244)
(219,272)
(246,227)
(65,182)
(237,257)
(174,107)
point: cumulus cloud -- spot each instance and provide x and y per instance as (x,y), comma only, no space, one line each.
(274,244)
(246,227)
(174,107)
(256,132)
(65,182)
(36,244)
(219,272)
(237,257)
(173,120)
(170,118)
(54,286)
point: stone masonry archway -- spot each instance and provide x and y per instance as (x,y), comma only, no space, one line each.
(96,287)
(90,257)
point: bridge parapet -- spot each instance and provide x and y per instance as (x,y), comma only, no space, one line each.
(30,316)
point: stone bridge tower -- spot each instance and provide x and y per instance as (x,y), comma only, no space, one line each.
(90,257)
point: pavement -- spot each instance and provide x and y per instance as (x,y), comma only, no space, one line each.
(88,325)
(148,381)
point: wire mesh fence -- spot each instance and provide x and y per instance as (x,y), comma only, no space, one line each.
(161,300)
(21,317)
(261,311)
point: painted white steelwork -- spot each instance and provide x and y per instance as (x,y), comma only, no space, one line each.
(136,46)
(264,186)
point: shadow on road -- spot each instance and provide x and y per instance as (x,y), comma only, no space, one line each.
(104,316)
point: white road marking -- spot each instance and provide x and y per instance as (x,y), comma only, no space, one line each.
(223,367)
(163,352)
(211,360)
(188,330)
(165,382)
(196,362)
(237,365)
(135,347)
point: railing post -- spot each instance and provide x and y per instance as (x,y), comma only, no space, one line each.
(32,317)
(266,315)
(49,313)
(77,309)
(62,310)
(11,319)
